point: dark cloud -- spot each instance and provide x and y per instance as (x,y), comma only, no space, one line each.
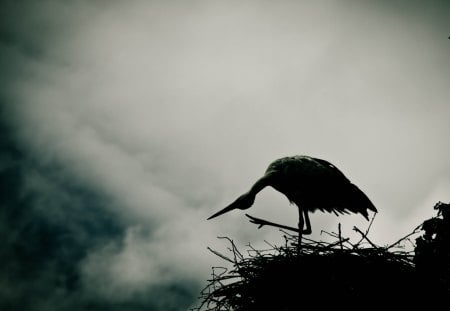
(124,125)
(50,223)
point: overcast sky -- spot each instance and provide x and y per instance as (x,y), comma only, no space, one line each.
(125,124)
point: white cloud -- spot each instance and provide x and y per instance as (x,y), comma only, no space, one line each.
(175,109)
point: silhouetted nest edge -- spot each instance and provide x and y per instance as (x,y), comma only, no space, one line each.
(334,274)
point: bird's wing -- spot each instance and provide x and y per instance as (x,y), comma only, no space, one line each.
(332,169)
(305,168)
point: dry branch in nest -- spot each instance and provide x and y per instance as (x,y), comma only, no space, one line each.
(322,274)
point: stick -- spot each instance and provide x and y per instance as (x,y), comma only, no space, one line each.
(336,243)
(367,230)
(364,236)
(405,237)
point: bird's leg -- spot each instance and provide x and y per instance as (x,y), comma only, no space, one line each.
(261,222)
(301,223)
(307,230)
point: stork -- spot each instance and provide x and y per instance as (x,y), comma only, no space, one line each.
(311,184)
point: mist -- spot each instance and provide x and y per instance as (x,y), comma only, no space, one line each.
(126,125)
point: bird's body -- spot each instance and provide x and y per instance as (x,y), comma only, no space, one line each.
(315,184)
(311,184)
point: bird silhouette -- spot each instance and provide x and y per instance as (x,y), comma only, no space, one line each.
(311,184)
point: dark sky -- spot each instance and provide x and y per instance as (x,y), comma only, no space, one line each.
(124,125)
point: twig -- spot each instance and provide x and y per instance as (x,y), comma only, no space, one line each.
(364,237)
(332,234)
(257,252)
(274,247)
(220,255)
(336,243)
(367,230)
(405,237)
(234,249)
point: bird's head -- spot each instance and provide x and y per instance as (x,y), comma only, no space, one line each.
(243,202)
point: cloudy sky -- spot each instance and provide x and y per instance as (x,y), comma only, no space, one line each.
(125,124)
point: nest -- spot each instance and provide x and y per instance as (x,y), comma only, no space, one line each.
(328,274)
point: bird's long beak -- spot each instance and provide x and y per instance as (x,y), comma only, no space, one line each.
(223,211)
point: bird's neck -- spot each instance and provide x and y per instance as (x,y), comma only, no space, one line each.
(259,185)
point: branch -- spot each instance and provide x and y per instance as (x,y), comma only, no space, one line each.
(337,243)
(417,229)
(233,248)
(220,255)
(364,237)
(261,223)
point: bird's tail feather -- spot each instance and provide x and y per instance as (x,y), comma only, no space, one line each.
(360,203)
